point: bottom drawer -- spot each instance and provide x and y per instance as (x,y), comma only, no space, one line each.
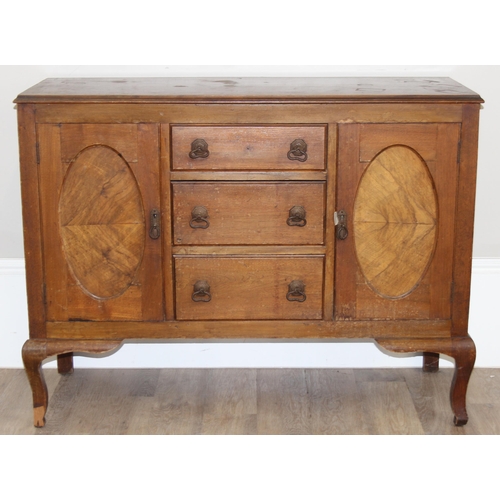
(248,287)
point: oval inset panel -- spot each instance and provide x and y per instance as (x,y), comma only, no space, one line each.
(102,222)
(395,221)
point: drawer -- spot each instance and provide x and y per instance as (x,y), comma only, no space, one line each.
(258,213)
(248,287)
(248,147)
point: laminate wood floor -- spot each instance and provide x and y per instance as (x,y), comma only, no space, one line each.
(250,401)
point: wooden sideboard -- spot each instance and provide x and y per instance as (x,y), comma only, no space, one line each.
(248,208)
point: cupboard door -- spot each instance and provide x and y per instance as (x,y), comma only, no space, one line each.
(397,185)
(99,188)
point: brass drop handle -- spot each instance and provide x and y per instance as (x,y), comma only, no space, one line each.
(297,216)
(199,218)
(201,292)
(154,224)
(298,150)
(199,149)
(296,291)
(341,223)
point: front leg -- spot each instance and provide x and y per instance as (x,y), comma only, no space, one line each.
(36,350)
(461,349)
(33,353)
(464,353)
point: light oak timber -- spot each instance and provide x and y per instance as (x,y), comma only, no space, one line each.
(261,329)
(93,224)
(245,113)
(395,218)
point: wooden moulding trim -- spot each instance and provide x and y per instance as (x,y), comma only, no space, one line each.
(257,250)
(233,112)
(265,329)
(247,175)
(247,100)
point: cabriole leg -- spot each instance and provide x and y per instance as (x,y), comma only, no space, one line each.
(33,353)
(36,350)
(465,357)
(461,349)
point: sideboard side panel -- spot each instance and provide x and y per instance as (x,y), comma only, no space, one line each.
(464,219)
(31,217)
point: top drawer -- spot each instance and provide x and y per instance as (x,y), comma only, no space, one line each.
(248,147)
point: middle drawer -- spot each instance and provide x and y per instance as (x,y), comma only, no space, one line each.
(249,213)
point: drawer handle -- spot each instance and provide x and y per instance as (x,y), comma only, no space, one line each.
(298,150)
(154,224)
(341,223)
(201,291)
(199,149)
(296,291)
(199,216)
(297,216)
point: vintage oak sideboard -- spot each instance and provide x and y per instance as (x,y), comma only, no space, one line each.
(248,208)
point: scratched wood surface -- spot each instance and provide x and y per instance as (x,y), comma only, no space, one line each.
(99,263)
(255,213)
(250,401)
(247,148)
(102,222)
(398,187)
(239,294)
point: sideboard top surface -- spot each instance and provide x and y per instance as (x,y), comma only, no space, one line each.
(248,89)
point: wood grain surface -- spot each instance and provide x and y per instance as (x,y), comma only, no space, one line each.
(249,287)
(95,213)
(247,88)
(248,148)
(395,221)
(408,202)
(251,213)
(102,222)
